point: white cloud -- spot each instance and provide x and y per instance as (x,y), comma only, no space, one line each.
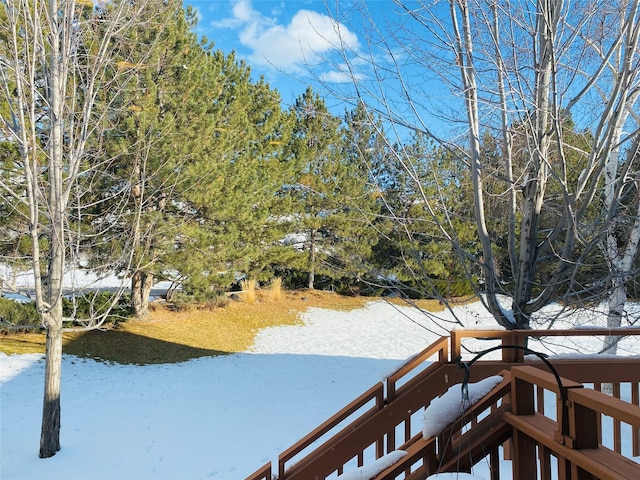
(309,37)
(243,11)
(242,14)
(341,75)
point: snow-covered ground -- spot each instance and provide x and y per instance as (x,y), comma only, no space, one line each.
(214,418)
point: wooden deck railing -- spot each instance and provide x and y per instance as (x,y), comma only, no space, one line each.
(571,436)
(563,445)
(388,416)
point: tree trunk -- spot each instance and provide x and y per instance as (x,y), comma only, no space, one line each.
(52,123)
(52,320)
(528,251)
(464,53)
(617,300)
(50,433)
(312,259)
(534,186)
(51,308)
(141,283)
(619,258)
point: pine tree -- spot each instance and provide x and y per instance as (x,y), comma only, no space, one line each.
(231,189)
(157,127)
(364,152)
(334,198)
(197,144)
(420,259)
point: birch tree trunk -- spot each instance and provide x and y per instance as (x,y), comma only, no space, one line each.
(533,188)
(534,185)
(51,417)
(620,252)
(465,59)
(57,199)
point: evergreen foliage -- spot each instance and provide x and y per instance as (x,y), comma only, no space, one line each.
(15,316)
(333,200)
(417,256)
(197,146)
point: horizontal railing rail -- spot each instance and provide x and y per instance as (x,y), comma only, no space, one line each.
(263,473)
(352,441)
(519,337)
(439,347)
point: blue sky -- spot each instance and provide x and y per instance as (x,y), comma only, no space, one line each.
(296,43)
(292,43)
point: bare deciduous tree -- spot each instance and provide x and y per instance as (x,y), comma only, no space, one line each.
(62,66)
(530,75)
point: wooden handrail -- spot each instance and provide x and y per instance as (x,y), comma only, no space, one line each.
(606,405)
(440,346)
(372,427)
(263,473)
(519,337)
(574,432)
(374,393)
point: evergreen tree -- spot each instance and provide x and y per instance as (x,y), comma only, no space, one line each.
(424,195)
(364,153)
(230,191)
(15,245)
(197,145)
(156,130)
(334,199)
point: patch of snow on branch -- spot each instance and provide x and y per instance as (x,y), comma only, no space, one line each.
(367,472)
(444,410)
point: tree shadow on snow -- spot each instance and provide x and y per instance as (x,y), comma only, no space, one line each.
(129,348)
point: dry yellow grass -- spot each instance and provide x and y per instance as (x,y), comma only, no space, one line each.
(249,291)
(22,343)
(275,289)
(169,336)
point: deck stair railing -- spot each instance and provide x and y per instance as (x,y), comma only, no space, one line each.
(514,421)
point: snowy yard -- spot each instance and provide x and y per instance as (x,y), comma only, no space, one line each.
(211,418)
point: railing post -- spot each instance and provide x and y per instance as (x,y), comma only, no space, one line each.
(443,354)
(514,355)
(583,426)
(635,399)
(455,345)
(494,463)
(430,459)
(522,397)
(525,465)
